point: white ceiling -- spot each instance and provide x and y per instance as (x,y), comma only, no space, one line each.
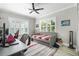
(22,8)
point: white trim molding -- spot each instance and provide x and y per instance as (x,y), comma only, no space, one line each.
(59,10)
(66,44)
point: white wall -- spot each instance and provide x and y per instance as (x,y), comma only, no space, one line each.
(78,29)
(7,15)
(63,31)
(3,19)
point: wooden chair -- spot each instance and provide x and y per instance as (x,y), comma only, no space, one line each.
(24,38)
(16,34)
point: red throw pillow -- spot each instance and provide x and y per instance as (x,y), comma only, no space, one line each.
(10,39)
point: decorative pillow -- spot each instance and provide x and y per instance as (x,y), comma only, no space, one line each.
(46,37)
(39,36)
(10,39)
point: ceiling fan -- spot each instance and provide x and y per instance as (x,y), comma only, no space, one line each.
(34,9)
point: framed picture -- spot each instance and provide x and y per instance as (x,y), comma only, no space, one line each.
(65,23)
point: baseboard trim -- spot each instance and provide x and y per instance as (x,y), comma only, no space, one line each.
(66,44)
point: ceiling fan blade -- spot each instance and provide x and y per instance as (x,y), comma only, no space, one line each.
(33,6)
(30,9)
(30,12)
(39,9)
(37,12)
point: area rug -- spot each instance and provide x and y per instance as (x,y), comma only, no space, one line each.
(36,49)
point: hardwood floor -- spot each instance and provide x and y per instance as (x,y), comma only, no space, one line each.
(65,51)
(44,50)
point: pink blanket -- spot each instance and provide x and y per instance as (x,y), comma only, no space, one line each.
(42,37)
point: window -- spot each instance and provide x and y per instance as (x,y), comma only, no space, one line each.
(23,28)
(48,25)
(15,25)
